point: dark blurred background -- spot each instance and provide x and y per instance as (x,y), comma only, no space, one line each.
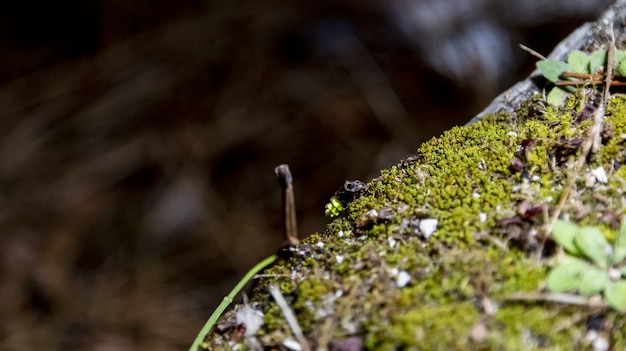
(138,140)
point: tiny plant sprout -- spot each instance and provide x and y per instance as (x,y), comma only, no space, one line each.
(590,265)
(334,208)
(580,69)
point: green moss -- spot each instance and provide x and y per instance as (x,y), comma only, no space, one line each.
(522,327)
(423,329)
(344,282)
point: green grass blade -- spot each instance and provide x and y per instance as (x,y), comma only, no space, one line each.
(229,299)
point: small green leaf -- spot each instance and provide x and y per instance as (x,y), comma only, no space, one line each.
(615,294)
(619,246)
(593,281)
(552,69)
(621,68)
(592,243)
(567,275)
(557,97)
(578,61)
(597,60)
(333,208)
(563,233)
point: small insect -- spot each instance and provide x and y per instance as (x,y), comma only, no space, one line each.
(344,195)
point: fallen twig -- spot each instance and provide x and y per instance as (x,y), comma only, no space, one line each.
(290,317)
(593,140)
(568,299)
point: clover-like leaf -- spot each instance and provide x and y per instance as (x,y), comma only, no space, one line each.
(552,69)
(593,281)
(615,294)
(578,61)
(621,68)
(557,96)
(563,233)
(592,243)
(597,60)
(619,246)
(566,276)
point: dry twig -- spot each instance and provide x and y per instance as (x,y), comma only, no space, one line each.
(593,140)
(290,317)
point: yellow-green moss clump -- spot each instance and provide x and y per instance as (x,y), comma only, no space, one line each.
(376,280)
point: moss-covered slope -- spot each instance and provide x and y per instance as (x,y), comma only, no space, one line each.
(376,280)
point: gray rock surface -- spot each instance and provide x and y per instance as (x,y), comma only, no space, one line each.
(588,37)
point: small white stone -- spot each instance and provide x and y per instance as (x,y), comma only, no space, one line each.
(320,245)
(600,344)
(292,344)
(371,214)
(482,217)
(512,134)
(339,258)
(600,175)
(535,178)
(428,226)
(392,242)
(591,335)
(403,279)
(251,318)
(476,195)
(340,234)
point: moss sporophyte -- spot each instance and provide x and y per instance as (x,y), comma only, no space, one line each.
(501,235)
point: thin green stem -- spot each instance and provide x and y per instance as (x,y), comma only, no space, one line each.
(228,299)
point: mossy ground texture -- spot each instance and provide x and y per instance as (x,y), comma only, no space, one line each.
(373,281)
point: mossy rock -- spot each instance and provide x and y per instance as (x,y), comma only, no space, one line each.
(375,280)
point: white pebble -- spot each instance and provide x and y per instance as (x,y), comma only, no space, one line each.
(600,175)
(428,226)
(292,344)
(392,242)
(251,318)
(600,344)
(403,279)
